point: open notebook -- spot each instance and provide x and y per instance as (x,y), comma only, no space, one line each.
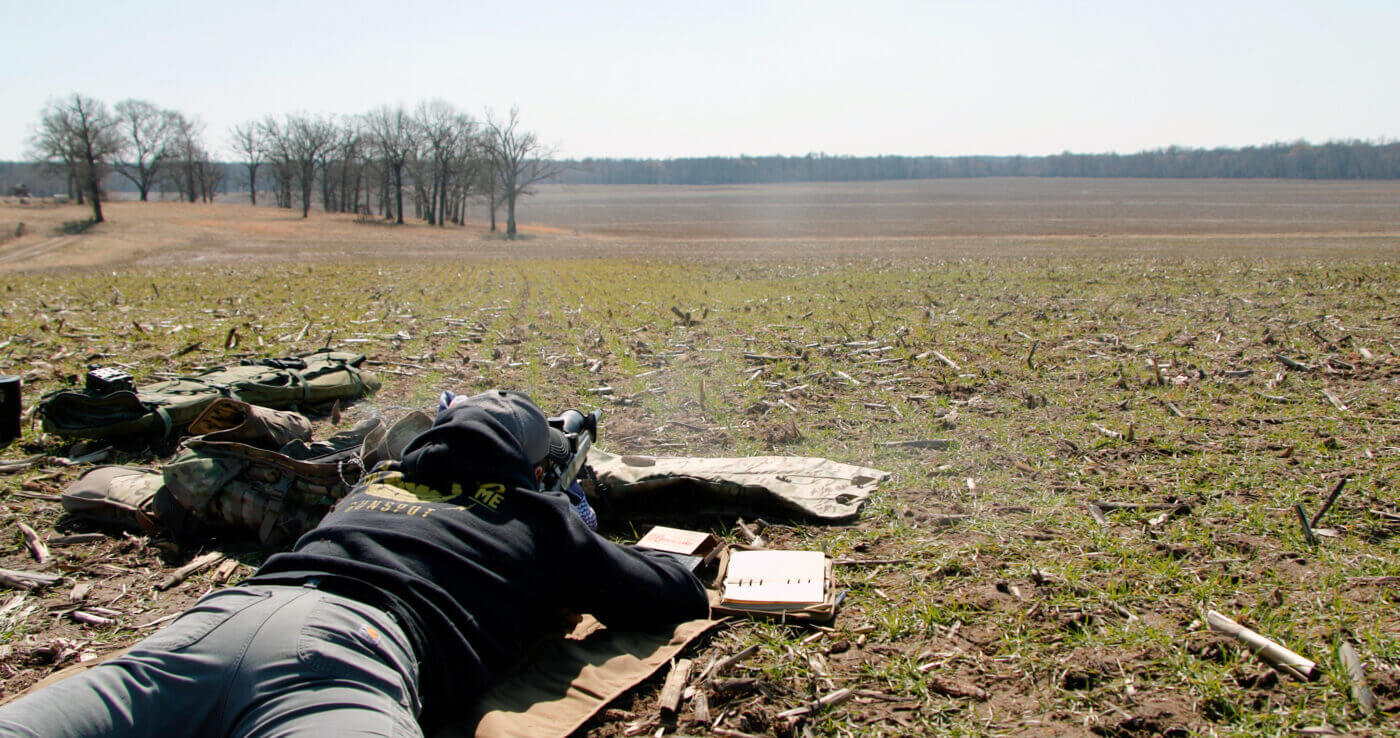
(775,580)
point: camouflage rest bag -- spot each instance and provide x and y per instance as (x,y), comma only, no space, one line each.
(164,409)
(115,495)
(128,497)
(237,477)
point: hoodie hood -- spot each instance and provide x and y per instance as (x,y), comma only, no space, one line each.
(496,436)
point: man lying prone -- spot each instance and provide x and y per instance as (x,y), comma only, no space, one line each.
(395,613)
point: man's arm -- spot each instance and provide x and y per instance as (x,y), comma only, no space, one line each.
(626,587)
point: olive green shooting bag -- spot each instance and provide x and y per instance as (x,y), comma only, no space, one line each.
(165,409)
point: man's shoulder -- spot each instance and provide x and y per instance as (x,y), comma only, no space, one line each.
(391,484)
(391,488)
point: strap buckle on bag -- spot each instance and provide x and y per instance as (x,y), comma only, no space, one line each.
(272,511)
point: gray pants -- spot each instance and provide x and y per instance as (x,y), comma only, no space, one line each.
(246,661)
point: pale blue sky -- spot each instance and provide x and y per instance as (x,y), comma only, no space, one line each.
(658,79)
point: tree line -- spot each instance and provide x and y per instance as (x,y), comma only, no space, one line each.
(1296,160)
(439,155)
(433,159)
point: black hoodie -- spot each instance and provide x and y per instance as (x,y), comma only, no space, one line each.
(482,564)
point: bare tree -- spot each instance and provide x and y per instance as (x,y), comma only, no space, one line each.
(489,184)
(81,132)
(435,122)
(249,141)
(448,136)
(279,157)
(49,145)
(342,167)
(146,132)
(309,140)
(470,163)
(417,168)
(518,160)
(211,175)
(396,137)
(190,159)
(349,158)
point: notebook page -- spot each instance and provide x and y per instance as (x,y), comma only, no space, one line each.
(797,577)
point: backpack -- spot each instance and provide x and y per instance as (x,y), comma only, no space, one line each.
(253,470)
(244,477)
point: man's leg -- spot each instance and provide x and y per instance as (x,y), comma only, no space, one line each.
(168,684)
(330,708)
(334,667)
(265,660)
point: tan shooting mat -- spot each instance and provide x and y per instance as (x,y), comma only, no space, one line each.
(566,681)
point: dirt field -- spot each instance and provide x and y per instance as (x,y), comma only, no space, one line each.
(979,208)
(927,219)
(1117,393)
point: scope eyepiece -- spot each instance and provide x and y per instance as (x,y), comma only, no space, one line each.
(572,422)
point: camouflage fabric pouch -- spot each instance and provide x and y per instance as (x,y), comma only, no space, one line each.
(231,420)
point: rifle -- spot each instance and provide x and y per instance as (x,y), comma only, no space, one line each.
(581,432)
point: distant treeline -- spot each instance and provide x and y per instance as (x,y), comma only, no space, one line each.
(43,181)
(1299,160)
